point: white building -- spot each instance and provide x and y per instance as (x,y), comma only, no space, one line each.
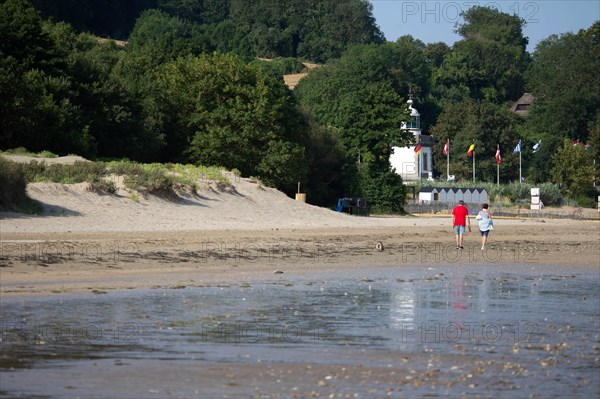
(404,160)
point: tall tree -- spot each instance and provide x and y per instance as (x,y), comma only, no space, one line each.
(233,115)
(35,111)
(489,62)
(316,30)
(574,169)
(565,80)
(199,11)
(105,18)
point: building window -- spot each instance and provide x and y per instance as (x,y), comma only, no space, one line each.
(414,122)
(425,162)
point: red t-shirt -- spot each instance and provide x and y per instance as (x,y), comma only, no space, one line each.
(460,215)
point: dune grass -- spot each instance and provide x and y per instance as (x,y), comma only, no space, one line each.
(157,179)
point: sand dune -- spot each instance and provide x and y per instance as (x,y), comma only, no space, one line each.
(249,205)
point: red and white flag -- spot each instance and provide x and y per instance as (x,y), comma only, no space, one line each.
(498,159)
(446,147)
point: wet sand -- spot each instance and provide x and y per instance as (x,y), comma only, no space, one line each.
(46,263)
(446,330)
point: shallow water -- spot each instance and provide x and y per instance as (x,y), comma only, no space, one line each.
(487,331)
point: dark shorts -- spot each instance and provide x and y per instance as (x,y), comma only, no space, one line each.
(484,233)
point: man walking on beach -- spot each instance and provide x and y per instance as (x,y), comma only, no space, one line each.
(460,220)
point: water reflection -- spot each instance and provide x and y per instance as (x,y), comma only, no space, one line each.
(523,314)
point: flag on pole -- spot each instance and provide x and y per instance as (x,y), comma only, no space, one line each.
(537,146)
(518,147)
(576,143)
(498,159)
(446,147)
(418,149)
(471,149)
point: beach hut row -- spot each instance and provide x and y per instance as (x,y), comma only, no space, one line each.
(431,195)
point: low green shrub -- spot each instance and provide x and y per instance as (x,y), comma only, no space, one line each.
(77,172)
(102,186)
(13,184)
(47,154)
(150,180)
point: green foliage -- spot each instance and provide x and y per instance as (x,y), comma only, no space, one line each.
(488,24)
(105,18)
(102,186)
(232,115)
(280,66)
(151,180)
(573,169)
(166,97)
(550,194)
(316,30)
(163,38)
(361,95)
(488,63)
(66,100)
(202,11)
(77,172)
(12,181)
(159,179)
(22,38)
(25,152)
(326,161)
(360,98)
(484,124)
(382,188)
(565,79)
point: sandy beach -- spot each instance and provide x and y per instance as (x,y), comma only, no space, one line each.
(86,241)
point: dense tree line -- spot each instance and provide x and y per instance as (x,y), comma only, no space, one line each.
(189,86)
(315,30)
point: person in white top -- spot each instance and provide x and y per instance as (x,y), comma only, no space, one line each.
(485,224)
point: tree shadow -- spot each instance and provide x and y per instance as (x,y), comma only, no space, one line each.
(46,210)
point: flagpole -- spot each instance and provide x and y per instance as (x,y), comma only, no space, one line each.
(520,176)
(473,165)
(498,168)
(419,165)
(448,161)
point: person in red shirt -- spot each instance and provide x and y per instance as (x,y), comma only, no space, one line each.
(460,220)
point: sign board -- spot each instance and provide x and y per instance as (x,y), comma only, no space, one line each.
(535,198)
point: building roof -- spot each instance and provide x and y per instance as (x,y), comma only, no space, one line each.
(523,104)
(413,112)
